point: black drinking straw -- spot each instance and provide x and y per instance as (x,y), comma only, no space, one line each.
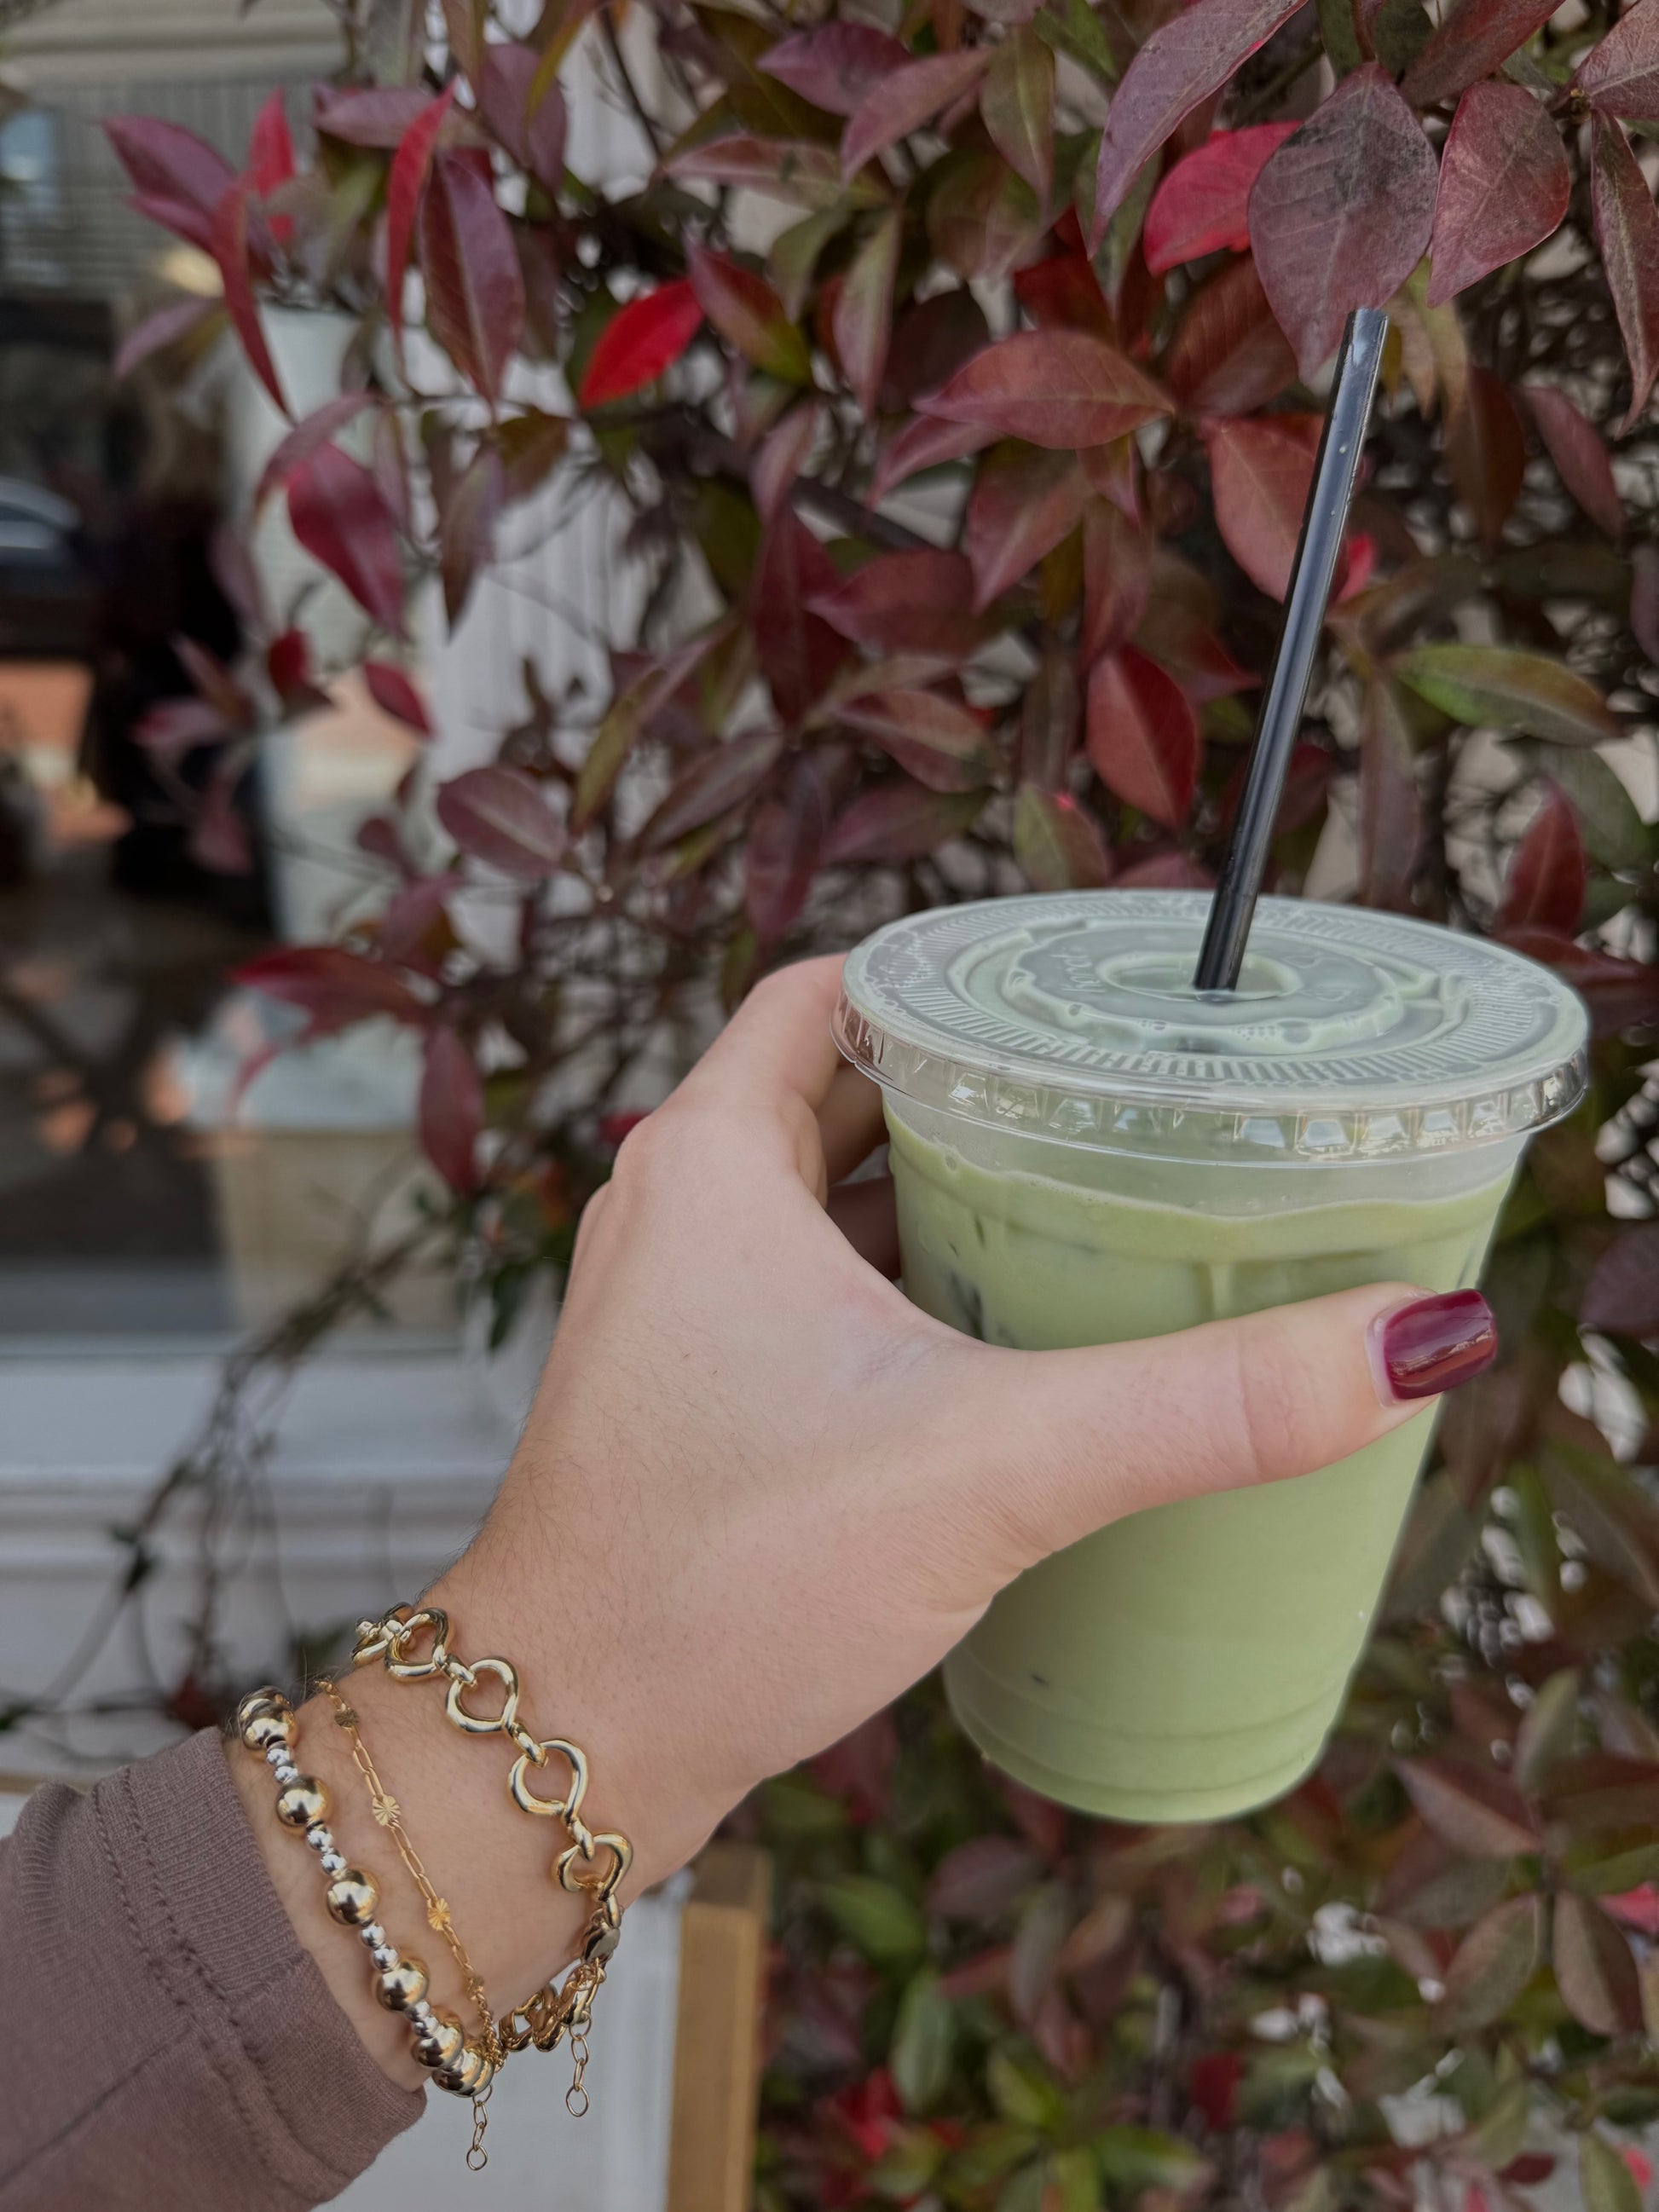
(1312,573)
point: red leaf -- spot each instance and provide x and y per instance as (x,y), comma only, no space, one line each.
(711,785)
(1594,1969)
(1182,63)
(798,651)
(1473,1808)
(904,98)
(863,319)
(310,433)
(1063,293)
(1621,994)
(270,159)
(474,285)
(917,602)
(1166,871)
(158,331)
(1390,814)
(639,343)
(1229,355)
(1473,40)
(982,1879)
(1622,1294)
(466,528)
(394,695)
(792,169)
(1201,204)
(923,444)
(534,139)
(1057,844)
(1627,237)
(1504,186)
(451,1110)
(1024,500)
(1143,736)
(176,726)
(785,843)
(229,248)
(1117,575)
(781,457)
(930,736)
(172,167)
(336,512)
(404,184)
(1059,388)
(334,988)
(931,340)
(1580,459)
(1259,472)
(899,822)
(749,314)
(1212,2084)
(370,115)
(219,839)
(1545,887)
(500,816)
(1621,76)
(836,66)
(1486,452)
(1340,215)
(288,664)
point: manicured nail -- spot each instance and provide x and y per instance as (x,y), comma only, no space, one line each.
(1430,1346)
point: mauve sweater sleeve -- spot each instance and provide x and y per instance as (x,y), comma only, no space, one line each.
(172,2041)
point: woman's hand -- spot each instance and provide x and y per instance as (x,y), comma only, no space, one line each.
(759,1492)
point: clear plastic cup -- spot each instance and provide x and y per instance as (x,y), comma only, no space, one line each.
(1085,1150)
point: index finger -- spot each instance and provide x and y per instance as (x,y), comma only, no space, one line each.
(778,1043)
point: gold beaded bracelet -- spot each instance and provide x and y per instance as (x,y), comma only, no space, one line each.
(552,2012)
(269,1727)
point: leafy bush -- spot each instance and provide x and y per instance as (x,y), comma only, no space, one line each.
(965,444)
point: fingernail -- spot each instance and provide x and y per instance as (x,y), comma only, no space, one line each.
(1420,1350)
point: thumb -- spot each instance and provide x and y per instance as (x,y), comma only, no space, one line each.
(1054,1445)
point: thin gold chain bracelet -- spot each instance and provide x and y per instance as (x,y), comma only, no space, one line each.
(269,1729)
(396,1638)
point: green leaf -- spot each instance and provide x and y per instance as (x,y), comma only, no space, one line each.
(1605,2182)
(877,1918)
(1495,1961)
(1073,2182)
(1498,2135)
(989,2152)
(1341,39)
(1500,688)
(1017,105)
(1548,1730)
(1057,843)
(1022,2095)
(1615,835)
(924,2041)
(1072,27)
(1133,2159)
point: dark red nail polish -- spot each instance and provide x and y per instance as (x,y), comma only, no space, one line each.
(1433,1345)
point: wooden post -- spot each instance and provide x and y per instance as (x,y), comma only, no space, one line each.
(717,2037)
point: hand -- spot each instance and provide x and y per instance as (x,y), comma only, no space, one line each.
(759,1492)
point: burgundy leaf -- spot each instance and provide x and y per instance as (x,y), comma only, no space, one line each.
(270,156)
(1580,459)
(639,343)
(782,455)
(1486,451)
(863,318)
(836,66)
(1545,886)
(1201,205)
(288,664)
(982,1879)
(404,184)
(905,99)
(228,244)
(1595,1970)
(535,138)
(786,836)
(1622,1294)
(500,815)
(174,727)
(394,695)
(918,602)
(1503,186)
(475,303)
(1117,576)
(712,784)
(452,1109)
(933,339)
(1621,76)
(336,512)
(798,651)
(1341,214)
(1260,471)
(983,220)
(165,327)
(899,822)
(1016,105)
(1168,871)
(1473,40)
(1050,717)
(172,167)
(333,987)
(1182,63)
(1645,599)
(1063,293)
(931,737)
(1229,355)
(924,444)
(1627,236)
(1059,388)
(1495,1961)
(1620,993)
(308,435)
(749,314)
(370,115)
(1024,500)
(788,168)
(466,528)
(1472,1807)
(1390,814)
(1143,736)
(1057,844)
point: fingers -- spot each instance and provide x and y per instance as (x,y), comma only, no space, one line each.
(1059,1442)
(778,1044)
(863,1214)
(850,1121)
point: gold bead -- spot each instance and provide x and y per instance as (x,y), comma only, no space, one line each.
(259,1701)
(471,2072)
(302,1804)
(442,2042)
(265,1728)
(351,1898)
(399,1987)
